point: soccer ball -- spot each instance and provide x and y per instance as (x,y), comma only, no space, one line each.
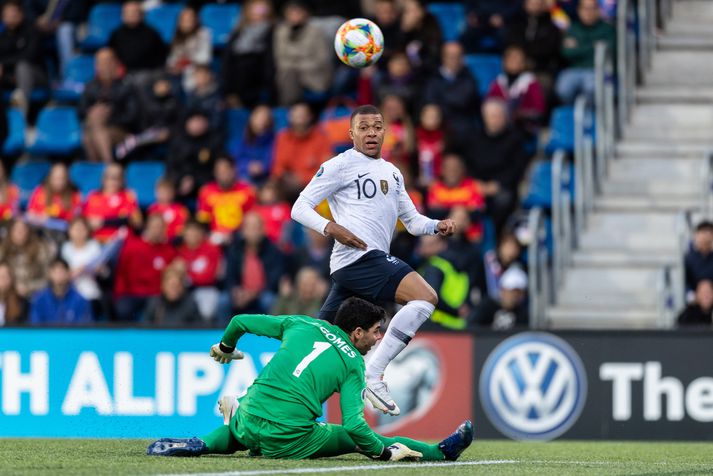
(359,43)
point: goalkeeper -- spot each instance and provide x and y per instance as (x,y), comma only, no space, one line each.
(276,417)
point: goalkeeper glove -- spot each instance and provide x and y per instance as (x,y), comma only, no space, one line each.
(401,452)
(223,354)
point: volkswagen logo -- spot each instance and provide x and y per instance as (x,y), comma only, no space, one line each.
(533,386)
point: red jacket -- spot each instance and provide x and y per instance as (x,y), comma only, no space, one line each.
(174,215)
(202,263)
(274,216)
(138,271)
(467,194)
(224,209)
(524,96)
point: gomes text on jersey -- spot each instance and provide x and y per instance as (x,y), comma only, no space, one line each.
(338,342)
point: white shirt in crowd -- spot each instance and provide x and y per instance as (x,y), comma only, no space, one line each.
(366,196)
(85,284)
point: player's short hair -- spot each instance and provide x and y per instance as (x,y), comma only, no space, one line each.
(705,225)
(365,109)
(356,312)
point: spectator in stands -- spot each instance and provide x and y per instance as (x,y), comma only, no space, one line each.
(699,312)
(535,32)
(388,17)
(56,198)
(304,298)
(60,20)
(299,150)
(275,214)
(224,202)
(192,153)
(141,262)
(205,98)
(398,80)
(138,46)
(447,275)
(521,90)
(469,252)
(496,158)
(174,214)
(21,65)
(111,207)
(29,256)
(455,189)
(254,149)
(496,262)
(59,302)
(109,108)
(160,107)
(82,254)
(314,253)
(578,50)
(455,90)
(9,196)
(254,268)
(249,48)
(421,36)
(13,307)
(510,309)
(699,257)
(203,261)
(192,45)
(175,306)
(486,24)
(303,55)
(430,142)
(400,139)
(4,128)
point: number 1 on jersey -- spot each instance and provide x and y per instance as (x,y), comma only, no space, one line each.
(317,349)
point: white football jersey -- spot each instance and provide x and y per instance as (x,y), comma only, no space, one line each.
(366,196)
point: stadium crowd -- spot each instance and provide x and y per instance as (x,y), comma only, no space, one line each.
(218,238)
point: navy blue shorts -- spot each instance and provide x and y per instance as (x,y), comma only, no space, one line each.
(374,277)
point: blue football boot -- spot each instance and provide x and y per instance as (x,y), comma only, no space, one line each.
(177,447)
(458,441)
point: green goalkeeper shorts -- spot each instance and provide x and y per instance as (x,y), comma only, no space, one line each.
(279,440)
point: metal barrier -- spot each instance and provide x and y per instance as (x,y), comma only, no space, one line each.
(539,265)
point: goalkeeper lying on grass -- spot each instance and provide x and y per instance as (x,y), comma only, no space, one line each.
(276,418)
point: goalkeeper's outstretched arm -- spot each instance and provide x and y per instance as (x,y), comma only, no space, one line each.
(258,324)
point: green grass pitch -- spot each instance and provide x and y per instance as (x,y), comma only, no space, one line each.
(119,457)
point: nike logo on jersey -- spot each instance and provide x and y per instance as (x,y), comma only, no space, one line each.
(363,175)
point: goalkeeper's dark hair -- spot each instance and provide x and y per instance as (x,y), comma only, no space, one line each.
(365,109)
(356,312)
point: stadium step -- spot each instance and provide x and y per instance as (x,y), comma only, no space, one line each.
(678,94)
(589,317)
(643,203)
(614,277)
(594,258)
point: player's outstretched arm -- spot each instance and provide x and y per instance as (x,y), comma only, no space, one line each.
(258,324)
(418,224)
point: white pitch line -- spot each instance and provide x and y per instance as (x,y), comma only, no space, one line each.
(341,469)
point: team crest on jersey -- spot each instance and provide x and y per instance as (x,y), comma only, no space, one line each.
(320,171)
(385,186)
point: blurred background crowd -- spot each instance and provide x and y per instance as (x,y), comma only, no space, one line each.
(152,150)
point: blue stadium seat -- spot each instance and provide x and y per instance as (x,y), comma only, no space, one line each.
(15,142)
(27,176)
(141,177)
(87,176)
(561,130)
(80,70)
(237,119)
(163,18)
(104,18)
(335,112)
(280,116)
(451,18)
(540,185)
(485,68)
(220,20)
(58,132)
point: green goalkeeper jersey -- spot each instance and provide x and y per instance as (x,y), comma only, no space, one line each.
(315,360)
